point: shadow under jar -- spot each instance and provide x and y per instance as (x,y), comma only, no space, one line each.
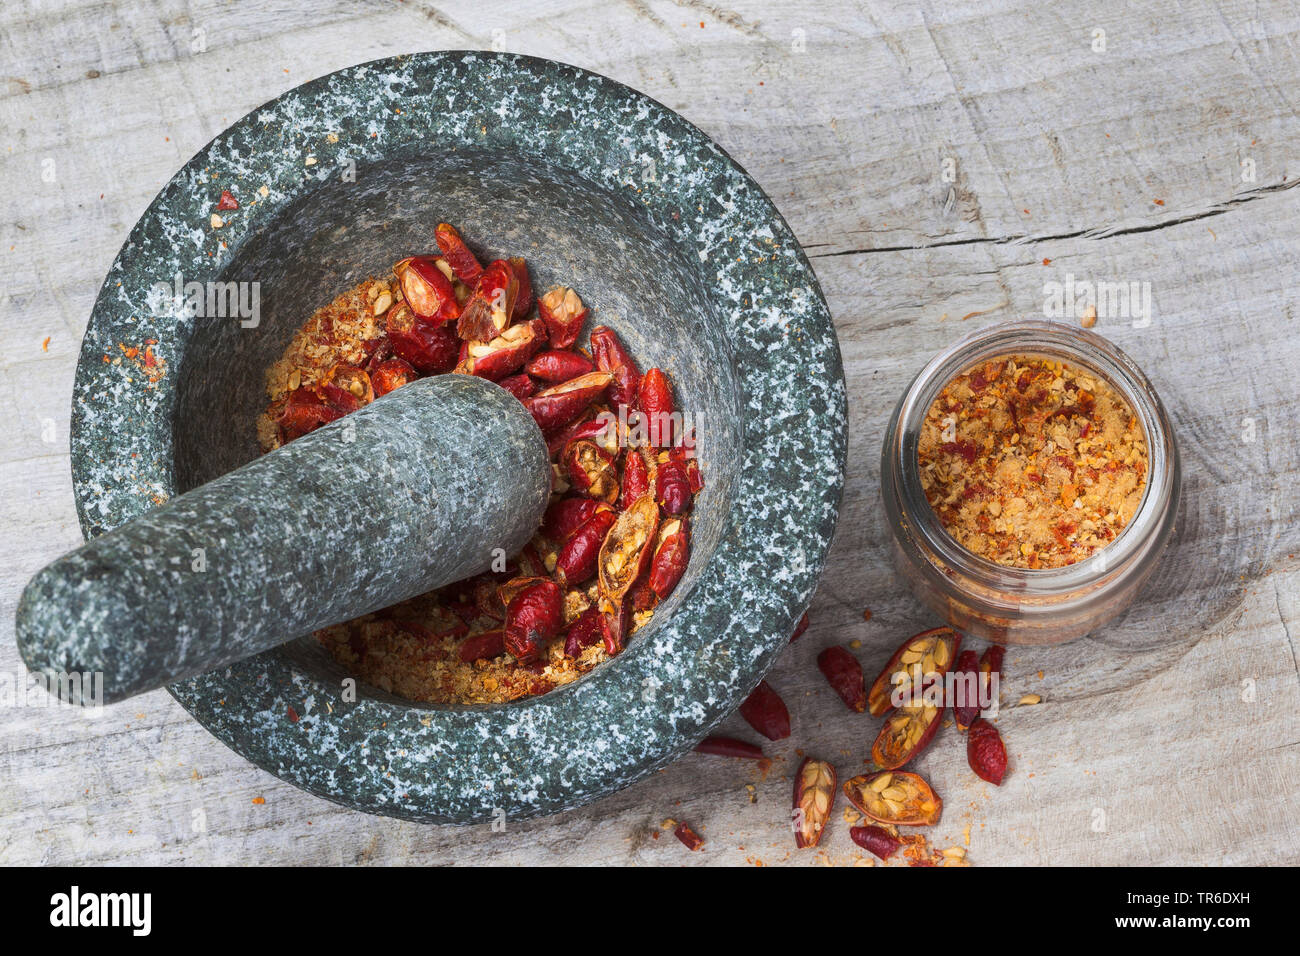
(1016,605)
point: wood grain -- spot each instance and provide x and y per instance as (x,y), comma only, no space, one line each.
(937,161)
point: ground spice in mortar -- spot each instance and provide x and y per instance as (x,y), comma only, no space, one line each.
(1031,462)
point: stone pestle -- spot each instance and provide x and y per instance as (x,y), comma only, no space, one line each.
(416,490)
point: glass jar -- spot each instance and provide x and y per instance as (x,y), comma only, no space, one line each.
(1019,605)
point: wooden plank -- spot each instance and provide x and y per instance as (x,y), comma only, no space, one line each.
(845,113)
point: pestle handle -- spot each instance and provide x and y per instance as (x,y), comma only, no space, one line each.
(409,493)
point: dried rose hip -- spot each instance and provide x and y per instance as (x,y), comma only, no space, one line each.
(426,290)
(636,477)
(351,380)
(626,550)
(304,412)
(557,365)
(690,839)
(903,799)
(463,262)
(931,651)
(533,616)
(875,840)
(227,202)
(729,747)
(799,628)
(766,712)
(524,300)
(814,796)
(576,561)
(504,354)
(613,628)
(487,313)
(391,374)
(591,470)
(520,386)
(906,732)
(430,348)
(990,670)
(966,675)
(599,429)
(673,487)
(611,357)
(557,406)
(483,646)
(985,752)
(563,313)
(843,672)
(670,557)
(566,516)
(656,398)
(583,632)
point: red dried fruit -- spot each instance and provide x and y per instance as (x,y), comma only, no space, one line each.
(985,752)
(673,487)
(533,616)
(463,262)
(426,290)
(934,651)
(636,477)
(906,732)
(347,388)
(814,796)
(613,628)
(991,671)
(670,557)
(227,201)
(524,299)
(729,747)
(558,365)
(626,549)
(429,347)
(520,386)
(966,675)
(656,398)
(504,354)
(487,313)
(597,428)
(392,374)
(304,412)
(765,711)
(483,646)
(875,840)
(563,313)
(566,516)
(690,839)
(576,561)
(585,631)
(611,357)
(800,628)
(903,799)
(591,470)
(843,672)
(557,406)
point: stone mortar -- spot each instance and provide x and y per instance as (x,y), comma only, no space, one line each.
(600,187)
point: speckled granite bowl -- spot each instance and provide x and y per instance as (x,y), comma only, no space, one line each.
(597,185)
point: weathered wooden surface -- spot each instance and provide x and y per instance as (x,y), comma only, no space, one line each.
(1163,159)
